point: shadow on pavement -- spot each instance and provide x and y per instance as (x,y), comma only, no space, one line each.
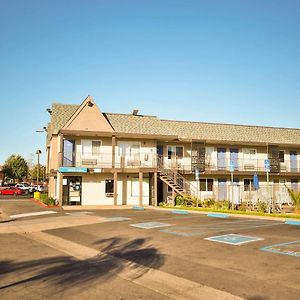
(66,272)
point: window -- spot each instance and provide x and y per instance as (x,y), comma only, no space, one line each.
(281,156)
(135,187)
(248,185)
(130,149)
(69,153)
(109,187)
(249,154)
(206,185)
(175,152)
(90,148)
(96,147)
(169,189)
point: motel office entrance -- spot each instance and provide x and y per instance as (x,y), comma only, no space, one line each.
(72,190)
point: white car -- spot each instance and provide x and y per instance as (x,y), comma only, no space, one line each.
(24,186)
(37,188)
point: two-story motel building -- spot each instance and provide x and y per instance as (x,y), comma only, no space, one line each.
(96,158)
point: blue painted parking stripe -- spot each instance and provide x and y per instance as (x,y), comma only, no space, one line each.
(291,222)
(234,239)
(150,225)
(138,208)
(180,212)
(217,215)
(284,248)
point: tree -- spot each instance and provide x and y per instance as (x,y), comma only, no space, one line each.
(15,167)
(42,173)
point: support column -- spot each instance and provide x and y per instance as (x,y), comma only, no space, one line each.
(140,189)
(60,145)
(60,188)
(59,163)
(115,188)
(155,189)
(113,147)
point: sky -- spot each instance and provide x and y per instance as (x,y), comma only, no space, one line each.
(233,61)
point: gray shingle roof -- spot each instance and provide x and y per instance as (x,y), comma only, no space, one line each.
(203,131)
(60,115)
(130,124)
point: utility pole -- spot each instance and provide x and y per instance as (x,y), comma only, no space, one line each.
(38,152)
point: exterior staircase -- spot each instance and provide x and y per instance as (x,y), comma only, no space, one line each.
(176,181)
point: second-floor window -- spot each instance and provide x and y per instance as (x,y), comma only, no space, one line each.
(249,155)
(281,156)
(90,147)
(129,149)
(175,152)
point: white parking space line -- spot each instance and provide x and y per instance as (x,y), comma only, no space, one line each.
(39,213)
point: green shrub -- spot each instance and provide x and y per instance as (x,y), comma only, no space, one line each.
(43,197)
(179,200)
(261,207)
(209,202)
(48,201)
(295,196)
(218,204)
(160,204)
(242,206)
(186,200)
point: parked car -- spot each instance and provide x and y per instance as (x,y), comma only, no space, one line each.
(12,191)
(24,186)
(37,188)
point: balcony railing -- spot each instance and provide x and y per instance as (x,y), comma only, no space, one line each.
(149,160)
(105,160)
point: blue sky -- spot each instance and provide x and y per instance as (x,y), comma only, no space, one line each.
(216,61)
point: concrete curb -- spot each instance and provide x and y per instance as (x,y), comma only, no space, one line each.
(283,220)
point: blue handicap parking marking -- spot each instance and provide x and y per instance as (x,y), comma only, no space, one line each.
(233,239)
(217,215)
(138,208)
(292,222)
(179,233)
(290,248)
(180,212)
(116,219)
(150,225)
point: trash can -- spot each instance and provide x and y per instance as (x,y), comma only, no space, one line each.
(37,195)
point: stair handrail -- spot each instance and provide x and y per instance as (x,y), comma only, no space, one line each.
(177,178)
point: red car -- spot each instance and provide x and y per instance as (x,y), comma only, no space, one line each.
(11,191)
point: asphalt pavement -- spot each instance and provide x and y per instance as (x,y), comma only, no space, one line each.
(147,254)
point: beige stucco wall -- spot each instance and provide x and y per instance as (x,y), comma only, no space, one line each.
(93,190)
(51,187)
(53,153)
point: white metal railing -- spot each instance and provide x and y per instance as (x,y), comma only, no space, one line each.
(105,160)
(275,193)
(149,160)
(241,165)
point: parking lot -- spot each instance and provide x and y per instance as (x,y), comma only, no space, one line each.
(153,254)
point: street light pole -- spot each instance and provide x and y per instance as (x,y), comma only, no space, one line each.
(38,152)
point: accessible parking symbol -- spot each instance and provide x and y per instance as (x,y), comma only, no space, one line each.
(150,225)
(233,239)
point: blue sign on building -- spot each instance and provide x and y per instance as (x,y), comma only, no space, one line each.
(267,165)
(72,170)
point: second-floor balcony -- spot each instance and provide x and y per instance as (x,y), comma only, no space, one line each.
(244,165)
(105,160)
(150,160)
